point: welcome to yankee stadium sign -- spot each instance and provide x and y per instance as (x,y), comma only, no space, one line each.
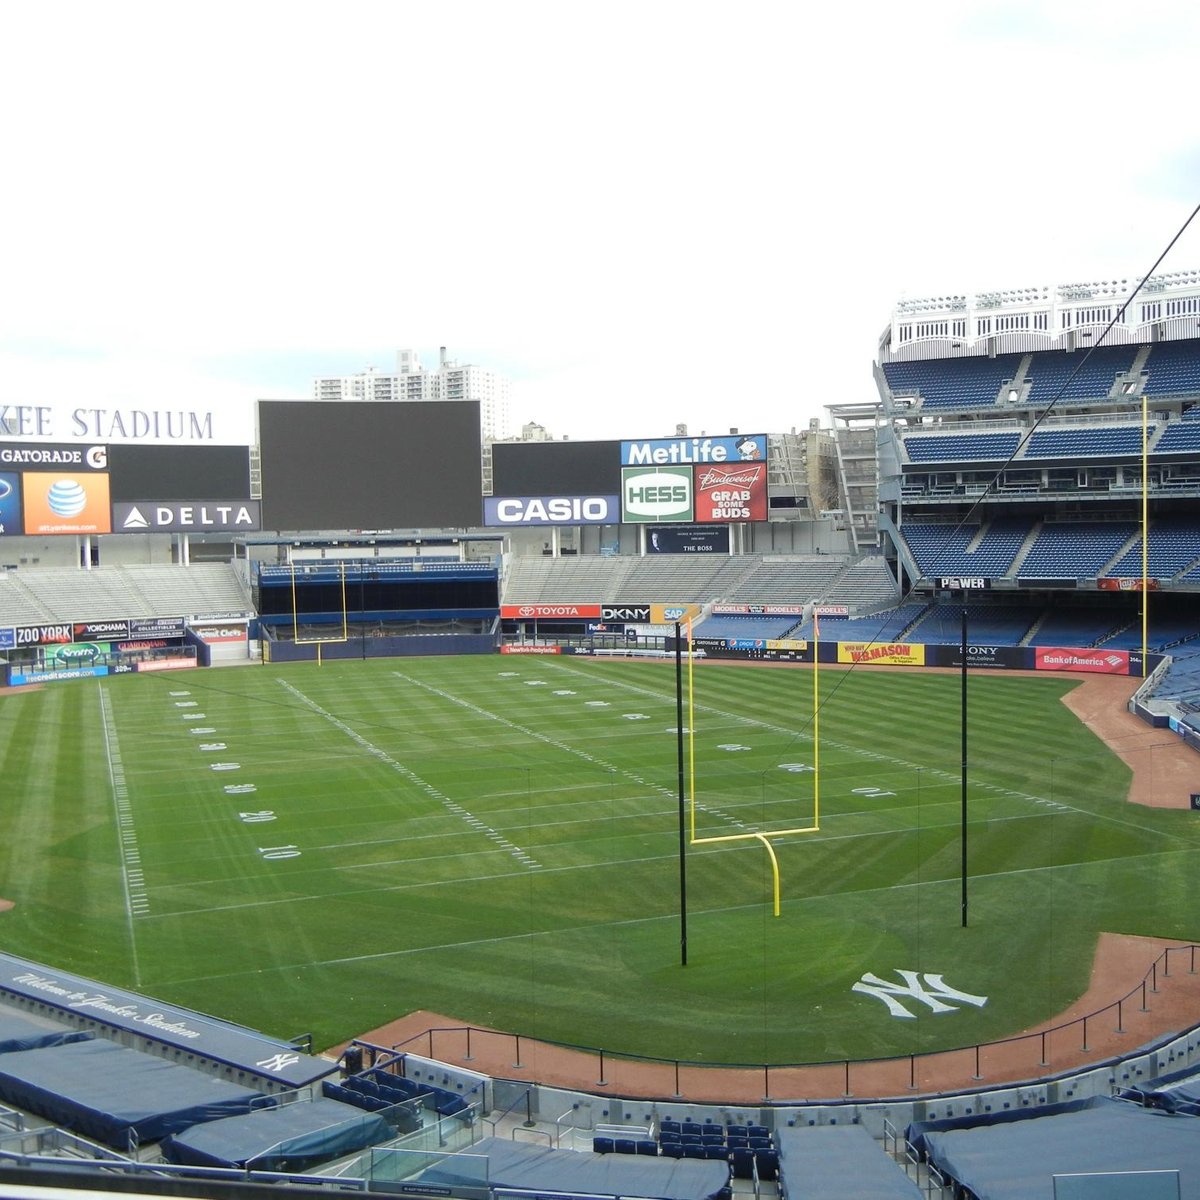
(206,1037)
(178,426)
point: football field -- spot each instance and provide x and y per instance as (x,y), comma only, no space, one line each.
(324,848)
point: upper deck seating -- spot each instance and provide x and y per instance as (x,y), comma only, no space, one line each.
(1173,368)
(1075,549)
(952,382)
(1049,371)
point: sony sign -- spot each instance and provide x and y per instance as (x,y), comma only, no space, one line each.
(201,516)
(551,510)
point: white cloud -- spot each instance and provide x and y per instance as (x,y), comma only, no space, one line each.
(649,213)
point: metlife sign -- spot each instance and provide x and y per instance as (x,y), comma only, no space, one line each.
(551,510)
(204,516)
(662,494)
(678,451)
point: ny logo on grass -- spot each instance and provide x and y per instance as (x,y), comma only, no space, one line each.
(932,992)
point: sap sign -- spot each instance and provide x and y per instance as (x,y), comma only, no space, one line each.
(661,495)
(551,510)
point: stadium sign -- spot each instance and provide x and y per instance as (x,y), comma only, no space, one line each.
(66,502)
(664,494)
(44,635)
(637,613)
(737,492)
(101,629)
(549,612)
(551,510)
(673,451)
(38,455)
(176,426)
(963,583)
(10,504)
(893,654)
(206,516)
(156,627)
(1089,661)
(8,638)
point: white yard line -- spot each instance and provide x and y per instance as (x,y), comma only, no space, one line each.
(455,809)
(132,880)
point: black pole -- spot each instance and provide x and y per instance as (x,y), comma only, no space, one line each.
(682,813)
(964,760)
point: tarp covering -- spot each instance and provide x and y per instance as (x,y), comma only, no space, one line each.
(1018,1160)
(104,1091)
(832,1161)
(20,1031)
(205,1037)
(290,1137)
(541,1169)
(1178,1091)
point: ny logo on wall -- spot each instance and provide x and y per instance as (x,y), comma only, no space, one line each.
(932,993)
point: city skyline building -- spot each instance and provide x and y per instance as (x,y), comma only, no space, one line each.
(411,380)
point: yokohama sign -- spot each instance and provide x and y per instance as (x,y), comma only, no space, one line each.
(550,612)
(1099,661)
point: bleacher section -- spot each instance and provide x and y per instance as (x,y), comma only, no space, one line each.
(745,627)
(966,550)
(987,624)
(748,1149)
(959,447)
(788,580)
(839,1162)
(1173,369)
(1075,549)
(1174,546)
(867,584)
(1074,627)
(953,382)
(1111,441)
(884,626)
(104,593)
(1049,370)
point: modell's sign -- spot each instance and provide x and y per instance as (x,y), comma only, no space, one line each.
(737,492)
(550,612)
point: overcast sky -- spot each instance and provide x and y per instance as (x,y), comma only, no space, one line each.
(645,213)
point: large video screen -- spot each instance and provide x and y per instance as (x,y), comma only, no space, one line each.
(168,473)
(556,468)
(348,465)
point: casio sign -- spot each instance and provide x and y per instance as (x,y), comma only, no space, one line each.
(550,510)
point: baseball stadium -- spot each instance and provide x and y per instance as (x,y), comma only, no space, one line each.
(683,816)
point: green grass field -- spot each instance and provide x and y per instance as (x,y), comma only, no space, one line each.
(497,839)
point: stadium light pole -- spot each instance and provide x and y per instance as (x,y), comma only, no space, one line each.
(963,707)
(682,807)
